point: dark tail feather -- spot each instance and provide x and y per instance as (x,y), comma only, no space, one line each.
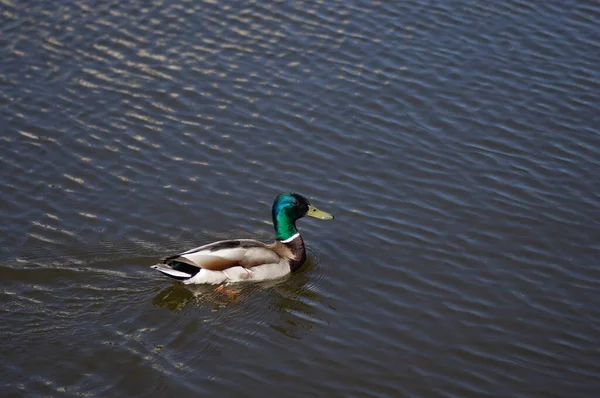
(173,273)
(184,267)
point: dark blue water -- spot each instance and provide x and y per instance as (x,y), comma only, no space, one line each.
(456,142)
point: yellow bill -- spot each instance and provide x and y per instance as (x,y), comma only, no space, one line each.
(316,213)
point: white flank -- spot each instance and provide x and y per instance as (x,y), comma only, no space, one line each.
(241,274)
(291,238)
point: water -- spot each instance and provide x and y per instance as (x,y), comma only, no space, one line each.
(456,143)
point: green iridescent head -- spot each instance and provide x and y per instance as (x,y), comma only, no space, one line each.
(289,207)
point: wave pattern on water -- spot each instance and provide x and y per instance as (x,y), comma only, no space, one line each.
(457,144)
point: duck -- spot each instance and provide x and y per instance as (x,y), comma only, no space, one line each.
(242,260)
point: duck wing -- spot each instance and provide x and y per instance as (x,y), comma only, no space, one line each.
(225,254)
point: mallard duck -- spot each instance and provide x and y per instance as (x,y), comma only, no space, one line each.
(238,260)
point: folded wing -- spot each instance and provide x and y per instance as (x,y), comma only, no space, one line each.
(225,254)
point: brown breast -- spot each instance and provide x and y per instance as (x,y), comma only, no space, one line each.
(292,251)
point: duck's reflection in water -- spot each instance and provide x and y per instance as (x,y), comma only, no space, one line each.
(294,302)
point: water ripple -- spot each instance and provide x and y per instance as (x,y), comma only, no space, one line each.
(456,143)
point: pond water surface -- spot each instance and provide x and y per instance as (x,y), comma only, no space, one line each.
(456,142)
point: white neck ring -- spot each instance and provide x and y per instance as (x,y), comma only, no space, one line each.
(291,238)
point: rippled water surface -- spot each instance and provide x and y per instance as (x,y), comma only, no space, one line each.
(457,143)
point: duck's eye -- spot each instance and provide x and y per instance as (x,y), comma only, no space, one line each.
(294,203)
